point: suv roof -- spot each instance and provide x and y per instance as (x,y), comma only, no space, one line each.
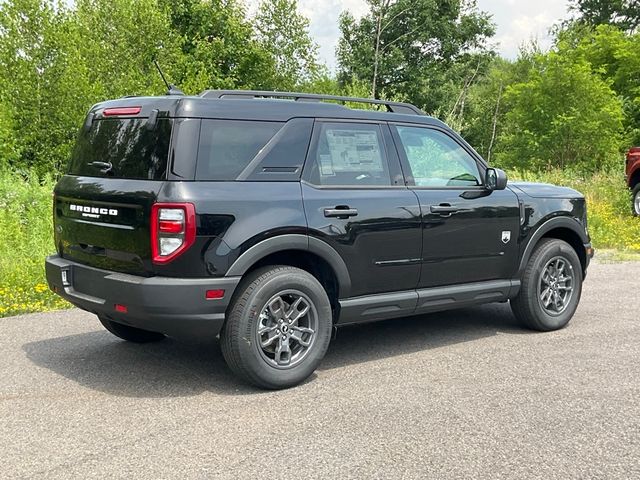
(268,106)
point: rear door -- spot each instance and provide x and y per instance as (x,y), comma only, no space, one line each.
(470,234)
(356,201)
(102,206)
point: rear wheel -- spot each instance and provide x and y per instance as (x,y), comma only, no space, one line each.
(278,327)
(130,334)
(635,202)
(551,287)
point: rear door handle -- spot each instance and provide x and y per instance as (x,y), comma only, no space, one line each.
(340,211)
(444,209)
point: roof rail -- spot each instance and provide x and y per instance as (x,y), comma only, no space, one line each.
(395,107)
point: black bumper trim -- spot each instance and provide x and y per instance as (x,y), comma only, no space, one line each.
(174,306)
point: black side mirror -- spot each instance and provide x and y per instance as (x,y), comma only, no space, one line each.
(495,179)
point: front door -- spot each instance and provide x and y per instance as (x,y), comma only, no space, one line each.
(470,234)
(356,201)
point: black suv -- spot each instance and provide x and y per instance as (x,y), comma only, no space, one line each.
(269,218)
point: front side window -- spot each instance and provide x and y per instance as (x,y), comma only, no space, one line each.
(436,160)
(227,146)
(349,154)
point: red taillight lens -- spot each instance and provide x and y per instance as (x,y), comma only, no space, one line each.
(170,226)
(173,230)
(115,111)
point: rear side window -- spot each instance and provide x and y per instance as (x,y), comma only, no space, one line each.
(122,148)
(227,146)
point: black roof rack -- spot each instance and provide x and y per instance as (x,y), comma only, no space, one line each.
(395,107)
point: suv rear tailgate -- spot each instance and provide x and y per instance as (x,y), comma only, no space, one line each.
(104,222)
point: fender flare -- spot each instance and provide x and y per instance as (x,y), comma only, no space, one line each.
(304,243)
(551,224)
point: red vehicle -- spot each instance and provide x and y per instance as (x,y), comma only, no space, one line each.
(633,178)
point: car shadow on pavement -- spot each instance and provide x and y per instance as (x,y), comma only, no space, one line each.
(361,343)
(171,368)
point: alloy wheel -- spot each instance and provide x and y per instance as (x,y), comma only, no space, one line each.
(555,287)
(287,328)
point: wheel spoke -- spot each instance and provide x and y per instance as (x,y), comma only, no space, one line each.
(283,352)
(272,336)
(298,309)
(302,335)
(277,308)
(546,297)
(557,302)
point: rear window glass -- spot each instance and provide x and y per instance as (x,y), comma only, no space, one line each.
(227,146)
(122,148)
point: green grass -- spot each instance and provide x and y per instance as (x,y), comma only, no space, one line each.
(26,238)
(26,232)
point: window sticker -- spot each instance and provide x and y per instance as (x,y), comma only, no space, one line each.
(352,150)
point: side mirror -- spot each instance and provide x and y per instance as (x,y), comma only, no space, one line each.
(495,179)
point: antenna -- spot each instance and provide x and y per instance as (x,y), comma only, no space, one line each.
(171,88)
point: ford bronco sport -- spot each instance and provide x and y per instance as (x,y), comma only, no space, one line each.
(270,218)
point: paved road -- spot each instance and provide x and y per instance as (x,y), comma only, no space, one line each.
(455,395)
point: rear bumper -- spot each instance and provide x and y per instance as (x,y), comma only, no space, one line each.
(174,306)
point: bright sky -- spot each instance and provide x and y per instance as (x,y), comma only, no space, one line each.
(518,21)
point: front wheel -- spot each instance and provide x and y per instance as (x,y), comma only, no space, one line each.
(278,327)
(635,200)
(551,287)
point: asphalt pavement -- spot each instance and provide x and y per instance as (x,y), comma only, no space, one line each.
(461,394)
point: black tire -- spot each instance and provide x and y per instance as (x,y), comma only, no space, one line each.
(248,311)
(130,334)
(635,200)
(528,304)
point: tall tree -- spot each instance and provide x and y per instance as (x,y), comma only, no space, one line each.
(219,46)
(624,14)
(284,32)
(415,49)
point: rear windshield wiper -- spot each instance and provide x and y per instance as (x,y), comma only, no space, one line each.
(103,166)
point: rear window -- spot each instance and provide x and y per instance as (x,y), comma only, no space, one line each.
(227,146)
(122,148)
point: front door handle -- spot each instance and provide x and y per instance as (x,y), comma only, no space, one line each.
(341,211)
(444,209)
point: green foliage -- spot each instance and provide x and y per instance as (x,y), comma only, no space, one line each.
(58,59)
(284,33)
(614,57)
(623,14)
(26,226)
(427,51)
(562,116)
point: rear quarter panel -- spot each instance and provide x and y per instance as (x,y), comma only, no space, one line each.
(231,218)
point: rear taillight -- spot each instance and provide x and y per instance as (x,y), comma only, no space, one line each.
(173,230)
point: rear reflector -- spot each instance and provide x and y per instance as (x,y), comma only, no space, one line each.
(121,308)
(112,112)
(214,294)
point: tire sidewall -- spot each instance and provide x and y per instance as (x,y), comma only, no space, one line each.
(248,320)
(549,251)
